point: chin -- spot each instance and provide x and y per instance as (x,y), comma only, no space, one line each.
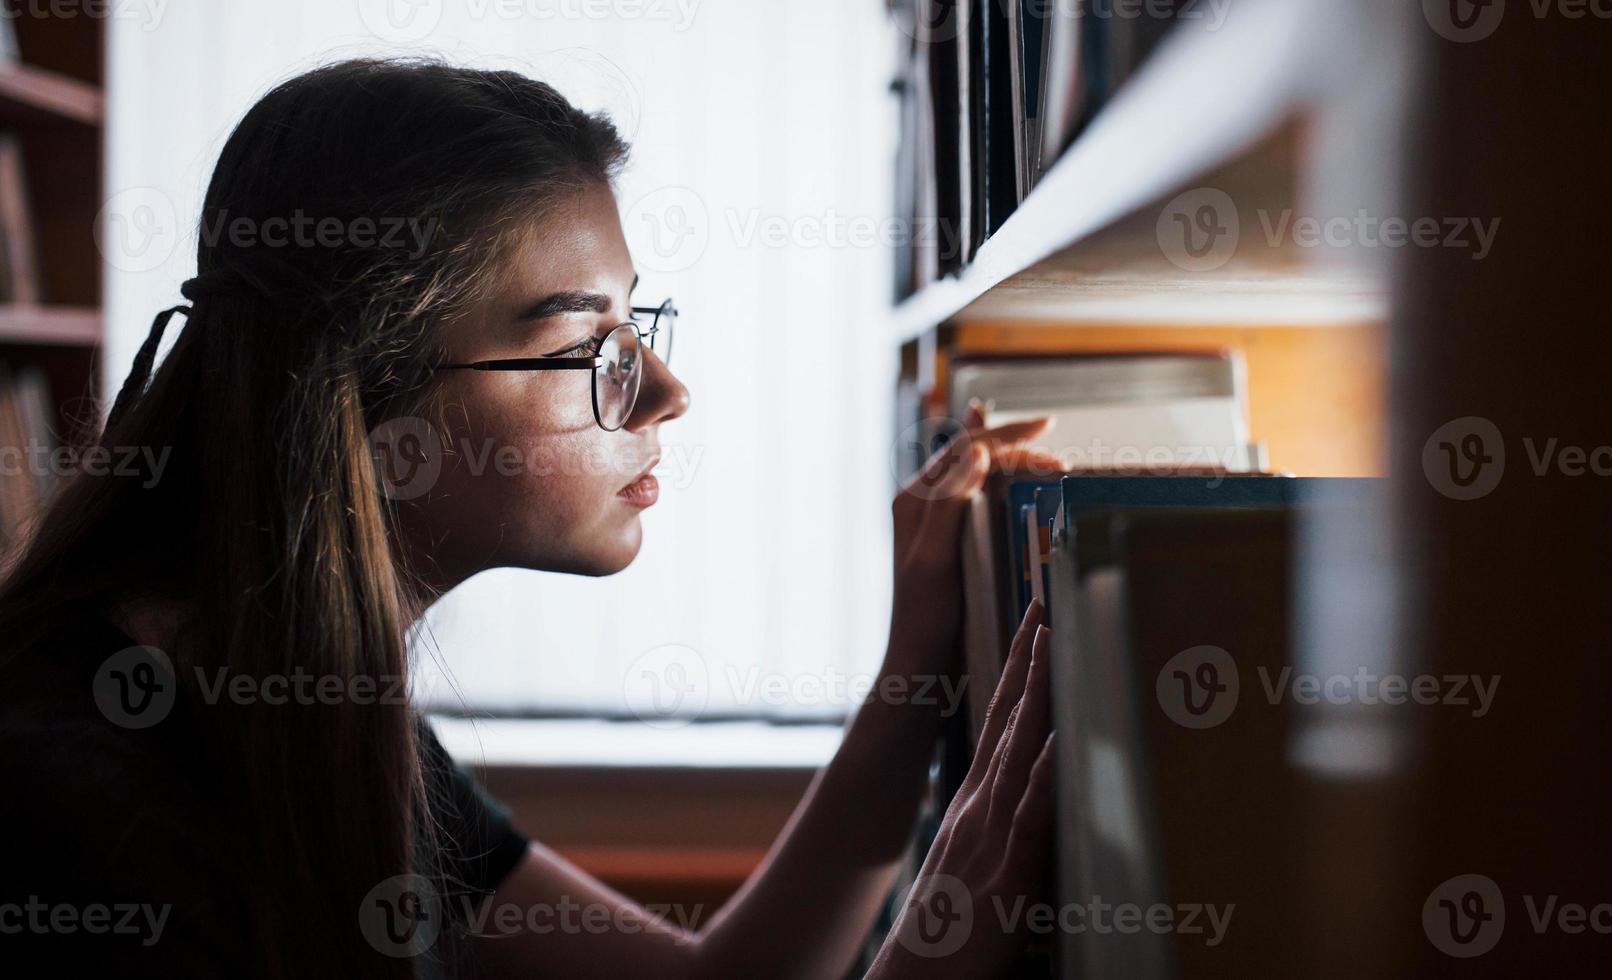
(595,559)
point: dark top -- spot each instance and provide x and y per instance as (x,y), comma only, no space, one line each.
(97,821)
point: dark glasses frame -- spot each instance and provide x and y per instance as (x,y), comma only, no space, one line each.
(646,339)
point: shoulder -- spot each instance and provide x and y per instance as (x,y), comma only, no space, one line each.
(105,830)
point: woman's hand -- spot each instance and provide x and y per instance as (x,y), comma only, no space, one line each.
(926,617)
(965,912)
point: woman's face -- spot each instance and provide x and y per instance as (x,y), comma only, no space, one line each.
(529,479)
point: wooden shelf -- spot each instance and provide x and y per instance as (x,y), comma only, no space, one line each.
(62,326)
(33,97)
(1216,106)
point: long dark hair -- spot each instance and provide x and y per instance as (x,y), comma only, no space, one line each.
(270,517)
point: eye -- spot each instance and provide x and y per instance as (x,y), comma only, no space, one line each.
(586,347)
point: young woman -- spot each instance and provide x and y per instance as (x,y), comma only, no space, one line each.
(163,767)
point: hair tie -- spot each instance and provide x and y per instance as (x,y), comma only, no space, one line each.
(134,385)
(220,280)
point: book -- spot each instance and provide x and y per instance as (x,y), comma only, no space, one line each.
(1152,812)
(947,121)
(1179,782)
(19,268)
(25,431)
(984,643)
(1143,412)
(1004,111)
(1033,45)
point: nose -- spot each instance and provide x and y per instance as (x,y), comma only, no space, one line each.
(661,397)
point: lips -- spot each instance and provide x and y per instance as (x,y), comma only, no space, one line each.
(643,491)
(654,461)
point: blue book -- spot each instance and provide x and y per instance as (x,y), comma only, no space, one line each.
(1019,500)
(1087,492)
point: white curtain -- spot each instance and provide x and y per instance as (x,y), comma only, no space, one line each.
(762,134)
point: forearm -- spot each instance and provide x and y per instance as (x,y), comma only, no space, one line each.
(810,904)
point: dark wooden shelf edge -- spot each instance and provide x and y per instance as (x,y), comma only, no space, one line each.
(31,94)
(62,326)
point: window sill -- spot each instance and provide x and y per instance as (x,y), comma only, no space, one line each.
(520,743)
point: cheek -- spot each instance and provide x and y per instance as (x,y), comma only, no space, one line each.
(530,459)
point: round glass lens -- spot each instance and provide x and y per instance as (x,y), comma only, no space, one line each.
(615,380)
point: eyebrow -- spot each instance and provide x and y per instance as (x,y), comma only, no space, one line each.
(570,301)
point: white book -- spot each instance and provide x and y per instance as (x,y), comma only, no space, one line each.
(1121,412)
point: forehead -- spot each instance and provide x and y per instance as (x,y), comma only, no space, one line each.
(578,234)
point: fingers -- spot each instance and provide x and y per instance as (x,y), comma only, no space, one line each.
(1013,432)
(976,415)
(1027,841)
(1027,735)
(951,469)
(956,470)
(1027,459)
(1008,690)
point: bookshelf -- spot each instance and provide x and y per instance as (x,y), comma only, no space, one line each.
(36,98)
(52,121)
(1213,106)
(1249,107)
(1361,368)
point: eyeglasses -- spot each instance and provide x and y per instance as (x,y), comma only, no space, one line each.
(617,365)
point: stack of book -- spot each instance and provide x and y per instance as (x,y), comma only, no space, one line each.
(1183,777)
(991,94)
(26,441)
